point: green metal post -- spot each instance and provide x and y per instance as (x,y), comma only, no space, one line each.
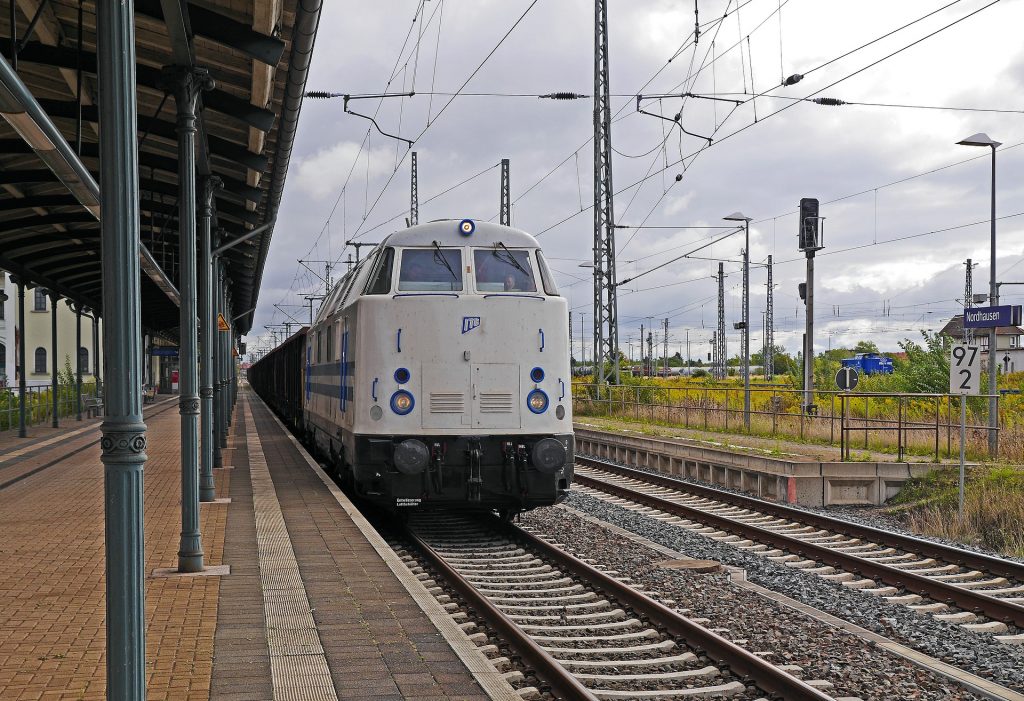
(208,315)
(229,395)
(23,370)
(222,370)
(218,460)
(78,362)
(96,350)
(186,83)
(54,365)
(229,361)
(123,444)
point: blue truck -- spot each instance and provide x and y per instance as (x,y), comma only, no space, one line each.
(869,364)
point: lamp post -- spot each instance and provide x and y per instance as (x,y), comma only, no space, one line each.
(982,139)
(740,217)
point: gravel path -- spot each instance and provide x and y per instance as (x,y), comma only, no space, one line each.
(824,652)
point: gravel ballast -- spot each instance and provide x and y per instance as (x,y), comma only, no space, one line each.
(855,666)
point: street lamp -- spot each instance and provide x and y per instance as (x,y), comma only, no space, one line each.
(740,217)
(982,139)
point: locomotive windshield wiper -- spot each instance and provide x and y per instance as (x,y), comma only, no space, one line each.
(511,259)
(441,260)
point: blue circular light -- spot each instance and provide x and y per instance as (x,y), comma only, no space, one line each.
(537,374)
(402,376)
(537,401)
(467,227)
(402,402)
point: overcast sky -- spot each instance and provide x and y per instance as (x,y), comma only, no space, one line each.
(886,270)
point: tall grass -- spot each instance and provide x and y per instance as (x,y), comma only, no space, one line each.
(993,508)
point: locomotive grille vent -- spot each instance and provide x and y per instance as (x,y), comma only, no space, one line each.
(496,403)
(447,403)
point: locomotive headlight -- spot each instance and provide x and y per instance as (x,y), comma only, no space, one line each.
(537,400)
(402,402)
(537,374)
(548,455)
(467,227)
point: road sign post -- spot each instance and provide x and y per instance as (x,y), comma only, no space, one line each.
(846,380)
(965,380)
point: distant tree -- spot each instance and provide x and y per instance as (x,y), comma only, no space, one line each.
(865,347)
(926,368)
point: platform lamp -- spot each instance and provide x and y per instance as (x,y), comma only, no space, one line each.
(982,139)
(740,217)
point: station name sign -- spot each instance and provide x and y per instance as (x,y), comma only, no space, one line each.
(991,317)
(164,351)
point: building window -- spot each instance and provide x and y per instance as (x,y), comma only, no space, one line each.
(40,300)
(83,360)
(40,360)
(3,362)
(1014,341)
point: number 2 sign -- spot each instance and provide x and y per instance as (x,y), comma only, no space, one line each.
(965,369)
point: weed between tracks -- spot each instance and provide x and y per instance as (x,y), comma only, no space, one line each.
(993,507)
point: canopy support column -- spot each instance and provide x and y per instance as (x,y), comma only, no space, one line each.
(54,363)
(208,320)
(22,369)
(123,444)
(218,411)
(78,362)
(186,84)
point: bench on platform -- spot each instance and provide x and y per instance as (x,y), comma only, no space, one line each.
(94,406)
(148,394)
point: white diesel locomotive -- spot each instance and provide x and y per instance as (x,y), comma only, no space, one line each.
(437,372)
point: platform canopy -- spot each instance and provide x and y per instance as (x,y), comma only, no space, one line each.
(257,52)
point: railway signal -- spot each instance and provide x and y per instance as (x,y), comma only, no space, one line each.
(809,240)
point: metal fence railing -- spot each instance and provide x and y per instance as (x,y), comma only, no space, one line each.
(39,404)
(922,424)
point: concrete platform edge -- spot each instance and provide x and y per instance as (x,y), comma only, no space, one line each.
(489,679)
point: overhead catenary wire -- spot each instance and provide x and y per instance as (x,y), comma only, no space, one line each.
(783,109)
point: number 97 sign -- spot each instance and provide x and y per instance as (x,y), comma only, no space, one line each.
(965,369)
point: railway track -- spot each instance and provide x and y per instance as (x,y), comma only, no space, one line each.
(925,576)
(583,632)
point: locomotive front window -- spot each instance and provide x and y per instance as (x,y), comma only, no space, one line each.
(503,270)
(431,270)
(545,275)
(381,277)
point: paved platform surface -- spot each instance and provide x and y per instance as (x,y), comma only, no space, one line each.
(207,636)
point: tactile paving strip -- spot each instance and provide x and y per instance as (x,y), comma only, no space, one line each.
(298,667)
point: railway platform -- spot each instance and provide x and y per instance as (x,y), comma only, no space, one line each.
(300,599)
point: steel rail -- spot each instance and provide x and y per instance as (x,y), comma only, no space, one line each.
(996,609)
(561,681)
(948,553)
(765,675)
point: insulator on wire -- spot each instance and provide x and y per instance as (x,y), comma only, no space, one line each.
(562,96)
(322,94)
(829,101)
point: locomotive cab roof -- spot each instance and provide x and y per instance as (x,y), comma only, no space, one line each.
(447,233)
